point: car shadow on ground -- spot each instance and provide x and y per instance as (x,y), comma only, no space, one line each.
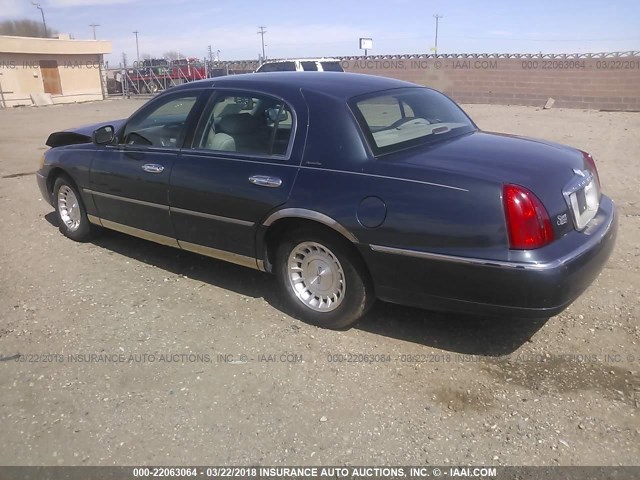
(465,334)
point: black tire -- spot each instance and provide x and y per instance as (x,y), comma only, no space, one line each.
(81,231)
(354,292)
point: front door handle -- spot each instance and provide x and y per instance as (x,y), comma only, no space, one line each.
(152,168)
(265,181)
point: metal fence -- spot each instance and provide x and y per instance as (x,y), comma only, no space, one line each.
(151,80)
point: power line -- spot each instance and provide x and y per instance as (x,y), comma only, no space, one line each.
(94,25)
(44,22)
(262,31)
(437,17)
(137,47)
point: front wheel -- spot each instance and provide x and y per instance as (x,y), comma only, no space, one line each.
(72,216)
(322,279)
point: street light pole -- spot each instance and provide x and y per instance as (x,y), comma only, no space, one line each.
(437,17)
(44,22)
(94,25)
(137,48)
(262,31)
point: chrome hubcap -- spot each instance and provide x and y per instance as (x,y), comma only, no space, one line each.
(316,276)
(69,208)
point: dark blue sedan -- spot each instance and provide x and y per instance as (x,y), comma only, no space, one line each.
(348,188)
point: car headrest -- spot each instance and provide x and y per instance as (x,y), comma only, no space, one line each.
(238,123)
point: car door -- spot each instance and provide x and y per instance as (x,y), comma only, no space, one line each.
(129,182)
(243,161)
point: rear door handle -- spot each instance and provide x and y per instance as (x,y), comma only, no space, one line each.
(152,168)
(265,181)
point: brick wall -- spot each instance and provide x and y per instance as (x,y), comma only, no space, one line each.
(608,81)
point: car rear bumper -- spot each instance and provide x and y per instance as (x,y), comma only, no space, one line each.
(490,287)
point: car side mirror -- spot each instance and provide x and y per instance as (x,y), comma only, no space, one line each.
(104,135)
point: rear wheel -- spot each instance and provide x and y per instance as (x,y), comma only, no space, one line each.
(322,279)
(72,216)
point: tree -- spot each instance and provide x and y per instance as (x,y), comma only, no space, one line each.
(25,28)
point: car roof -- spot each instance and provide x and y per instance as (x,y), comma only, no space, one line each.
(337,84)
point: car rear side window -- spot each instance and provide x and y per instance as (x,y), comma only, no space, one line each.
(248,124)
(398,119)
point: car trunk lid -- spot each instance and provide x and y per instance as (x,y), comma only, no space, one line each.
(560,176)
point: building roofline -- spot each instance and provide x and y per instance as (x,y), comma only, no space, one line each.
(53,46)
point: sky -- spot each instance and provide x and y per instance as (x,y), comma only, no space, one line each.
(332,27)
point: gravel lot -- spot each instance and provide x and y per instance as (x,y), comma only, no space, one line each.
(457,390)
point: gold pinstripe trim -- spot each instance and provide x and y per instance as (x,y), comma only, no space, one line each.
(181,244)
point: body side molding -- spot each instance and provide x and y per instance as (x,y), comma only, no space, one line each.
(126,199)
(598,237)
(219,218)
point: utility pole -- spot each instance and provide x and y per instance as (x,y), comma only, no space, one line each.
(44,22)
(437,17)
(94,25)
(137,49)
(124,60)
(262,31)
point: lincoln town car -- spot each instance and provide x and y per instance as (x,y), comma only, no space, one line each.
(347,188)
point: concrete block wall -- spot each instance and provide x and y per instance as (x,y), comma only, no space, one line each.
(606,81)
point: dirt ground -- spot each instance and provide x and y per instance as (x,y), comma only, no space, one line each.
(194,363)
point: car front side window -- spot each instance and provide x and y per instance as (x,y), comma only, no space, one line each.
(247,124)
(162,126)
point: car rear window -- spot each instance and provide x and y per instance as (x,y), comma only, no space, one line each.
(406,117)
(332,66)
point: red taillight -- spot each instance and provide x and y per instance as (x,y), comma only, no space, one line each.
(592,165)
(528,222)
